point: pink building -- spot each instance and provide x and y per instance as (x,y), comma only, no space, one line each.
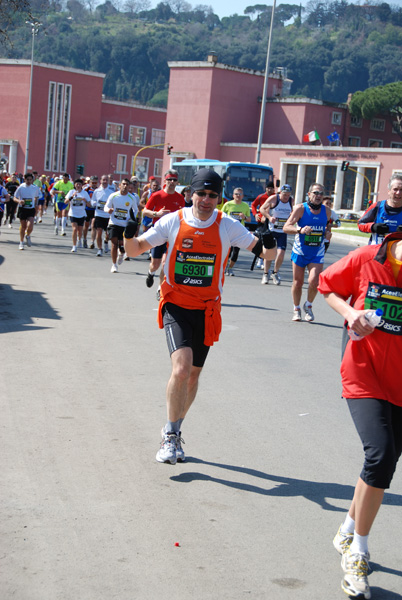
(214,112)
(72,124)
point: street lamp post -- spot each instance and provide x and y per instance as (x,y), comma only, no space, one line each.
(264,95)
(35,28)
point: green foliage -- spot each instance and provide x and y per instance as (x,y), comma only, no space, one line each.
(330,49)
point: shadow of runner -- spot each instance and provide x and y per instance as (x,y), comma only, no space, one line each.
(314,491)
(19,308)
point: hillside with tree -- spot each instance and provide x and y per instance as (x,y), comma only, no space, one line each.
(329,48)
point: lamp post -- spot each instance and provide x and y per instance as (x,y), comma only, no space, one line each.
(34,28)
(264,95)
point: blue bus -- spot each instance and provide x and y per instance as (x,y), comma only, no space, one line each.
(251,177)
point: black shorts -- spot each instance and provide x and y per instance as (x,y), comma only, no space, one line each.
(234,253)
(185,328)
(379,425)
(101,223)
(90,214)
(115,231)
(78,220)
(158,251)
(25,213)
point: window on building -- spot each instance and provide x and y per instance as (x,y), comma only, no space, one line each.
(336,118)
(311,177)
(356,122)
(375,143)
(158,166)
(348,192)
(158,136)
(377,124)
(396,145)
(291,176)
(353,141)
(141,168)
(114,132)
(137,135)
(121,164)
(330,179)
(58,126)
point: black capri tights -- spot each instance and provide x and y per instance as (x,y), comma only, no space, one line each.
(379,425)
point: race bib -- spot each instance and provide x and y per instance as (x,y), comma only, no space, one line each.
(194,269)
(78,202)
(120,214)
(236,215)
(28,202)
(389,299)
(313,239)
(279,223)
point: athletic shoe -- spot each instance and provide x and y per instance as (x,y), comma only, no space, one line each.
(10,226)
(296,315)
(260,263)
(120,258)
(79,245)
(105,247)
(63,232)
(149,280)
(230,273)
(35,221)
(126,257)
(265,279)
(355,582)
(158,294)
(39,220)
(74,249)
(56,230)
(309,312)
(342,541)
(167,451)
(100,252)
(180,456)
(28,240)
(92,245)
(276,278)
(85,243)
(21,246)
(114,269)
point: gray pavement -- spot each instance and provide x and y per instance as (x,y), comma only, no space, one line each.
(88,514)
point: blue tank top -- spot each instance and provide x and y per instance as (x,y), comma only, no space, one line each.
(311,245)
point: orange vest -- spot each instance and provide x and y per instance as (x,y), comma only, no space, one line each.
(193,273)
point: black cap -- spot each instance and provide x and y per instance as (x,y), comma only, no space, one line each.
(206,179)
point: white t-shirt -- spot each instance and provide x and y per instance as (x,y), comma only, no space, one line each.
(99,199)
(121,208)
(77,203)
(28,193)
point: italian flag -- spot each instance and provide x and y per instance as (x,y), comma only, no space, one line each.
(311,137)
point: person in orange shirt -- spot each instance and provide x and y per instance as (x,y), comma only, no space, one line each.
(199,239)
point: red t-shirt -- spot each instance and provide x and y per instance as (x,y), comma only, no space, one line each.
(162,199)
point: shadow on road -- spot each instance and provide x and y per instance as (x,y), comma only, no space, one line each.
(315,491)
(19,308)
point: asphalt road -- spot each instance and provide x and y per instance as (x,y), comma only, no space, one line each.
(272,455)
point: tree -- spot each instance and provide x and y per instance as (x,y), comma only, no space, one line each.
(8,10)
(383,100)
(136,6)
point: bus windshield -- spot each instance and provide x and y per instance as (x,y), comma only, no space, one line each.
(251,178)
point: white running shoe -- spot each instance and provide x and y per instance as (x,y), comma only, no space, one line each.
(10,226)
(342,541)
(180,456)
(28,240)
(114,269)
(21,246)
(167,451)
(63,232)
(355,582)
(120,258)
(74,249)
(309,316)
(276,278)
(99,253)
(296,315)
(39,220)
(79,245)
(265,279)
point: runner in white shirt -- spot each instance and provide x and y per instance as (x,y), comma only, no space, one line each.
(77,199)
(26,195)
(121,206)
(99,199)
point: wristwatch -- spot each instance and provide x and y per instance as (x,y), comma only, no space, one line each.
(154,214)
(299,229)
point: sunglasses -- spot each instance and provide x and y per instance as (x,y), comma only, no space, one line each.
(212,195)
(171,179)
(317,193)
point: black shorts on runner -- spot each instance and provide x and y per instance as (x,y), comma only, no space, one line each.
(115,231)
(158,251)
(25,213)
(101,223)
(185,328)
(78,220)
(90,214)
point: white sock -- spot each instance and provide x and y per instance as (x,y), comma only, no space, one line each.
(359,544)
(59,222)
(348,526)
(63,222)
